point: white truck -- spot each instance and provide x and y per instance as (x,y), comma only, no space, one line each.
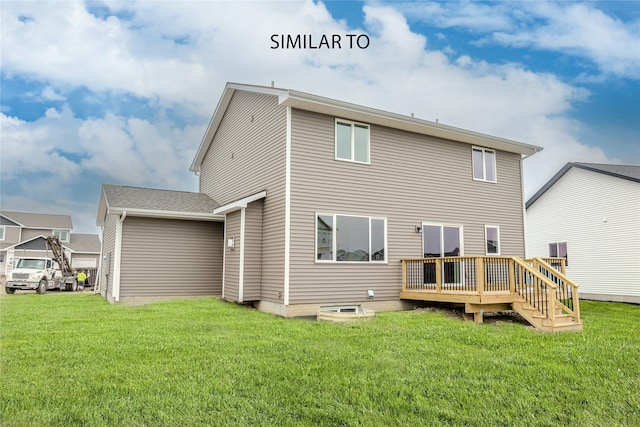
(40,274)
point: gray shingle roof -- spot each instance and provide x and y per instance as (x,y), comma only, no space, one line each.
(627,172)
(631,172)
(125,197)
(79,242)
(39,220)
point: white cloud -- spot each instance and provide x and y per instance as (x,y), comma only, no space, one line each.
(578,29)
(181,54)
(49,94)
(581,30)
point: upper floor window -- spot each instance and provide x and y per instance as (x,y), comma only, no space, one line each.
(1,233)
(352,141)
(492,239)
(62,235)
(559,250)
(484,164)
(347,238)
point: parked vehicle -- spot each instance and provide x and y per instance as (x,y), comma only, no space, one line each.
(42,274)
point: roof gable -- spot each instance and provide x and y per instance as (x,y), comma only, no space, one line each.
(39,220)
(7,222)
(626,172)
(319,104)
(37,243)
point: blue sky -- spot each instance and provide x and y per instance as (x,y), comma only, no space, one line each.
(121,92)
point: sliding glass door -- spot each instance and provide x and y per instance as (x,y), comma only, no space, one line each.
(442,241)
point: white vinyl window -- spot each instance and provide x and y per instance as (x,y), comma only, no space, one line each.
(1,233)
(559,250)
(347,238)
(62,235)
(352,141)
(492,239)
(484,164)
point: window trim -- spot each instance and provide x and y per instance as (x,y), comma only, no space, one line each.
(62,231)
(353,152)
(486,240)
(484,150)
(334,241)
(3,232)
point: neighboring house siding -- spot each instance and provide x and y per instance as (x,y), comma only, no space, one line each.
(25,253)
(248,156)
(162,257)
(599,218)
(11,235)
(411,178)
(28,233)
(108,253)
(232,258)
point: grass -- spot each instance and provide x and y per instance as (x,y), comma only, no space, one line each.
(73,359)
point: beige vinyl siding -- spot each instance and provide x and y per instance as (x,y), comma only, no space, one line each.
(253,251)
(28,233)
(411,179)
(232,258)
(248,156)
(108,252)
(166,257)
(11,235)
(26,253)
(599,218)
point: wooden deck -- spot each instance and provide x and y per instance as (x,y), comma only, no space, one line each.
(535,288)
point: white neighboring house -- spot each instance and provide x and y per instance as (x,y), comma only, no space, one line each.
(590,214)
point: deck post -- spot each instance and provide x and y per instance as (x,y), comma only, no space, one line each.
(576,304)
(438,275)
(404,275)
(478,317)
(551,298)
(480,275)
(512,276)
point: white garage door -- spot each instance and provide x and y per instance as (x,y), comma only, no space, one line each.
(83,263)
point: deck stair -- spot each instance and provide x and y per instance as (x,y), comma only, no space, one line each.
(537,289)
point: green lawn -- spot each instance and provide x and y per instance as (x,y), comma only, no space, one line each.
(72,359)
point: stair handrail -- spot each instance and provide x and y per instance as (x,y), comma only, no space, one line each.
(575,312)
(547,310)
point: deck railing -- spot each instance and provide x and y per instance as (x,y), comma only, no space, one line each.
(540,282)
(457,274)
(566,292)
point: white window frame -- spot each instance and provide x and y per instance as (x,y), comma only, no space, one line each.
(484,164)
(557,244)
(486,240)
(57,233)
(460,227)
(353,151)
(2,232)
(334,241)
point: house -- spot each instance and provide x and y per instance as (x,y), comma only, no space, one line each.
(589,214)
(22,234)
(321,202)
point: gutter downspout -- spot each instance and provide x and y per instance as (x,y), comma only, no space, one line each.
(117,257)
